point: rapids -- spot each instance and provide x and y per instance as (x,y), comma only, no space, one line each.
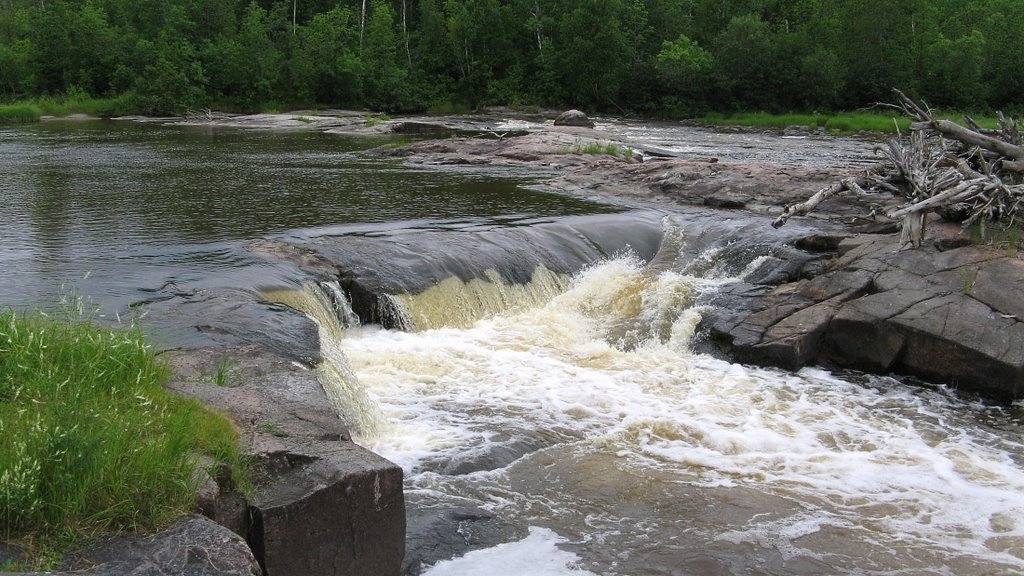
(586,422)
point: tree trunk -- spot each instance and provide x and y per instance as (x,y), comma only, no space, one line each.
(362,23)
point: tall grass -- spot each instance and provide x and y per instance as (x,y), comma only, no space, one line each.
(72,103)
(838,123)
(90,441)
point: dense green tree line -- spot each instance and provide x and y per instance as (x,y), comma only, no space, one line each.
(669,57)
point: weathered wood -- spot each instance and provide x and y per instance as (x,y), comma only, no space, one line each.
(808,206)
(942,165)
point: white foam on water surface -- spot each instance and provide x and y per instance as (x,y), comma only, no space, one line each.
(604,372)
(536,555)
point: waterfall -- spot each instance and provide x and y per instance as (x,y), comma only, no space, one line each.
(457,303)
(325,303)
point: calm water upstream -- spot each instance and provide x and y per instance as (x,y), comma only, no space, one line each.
(577,415)
(117,210)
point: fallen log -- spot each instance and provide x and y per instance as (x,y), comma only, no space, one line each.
(943,166)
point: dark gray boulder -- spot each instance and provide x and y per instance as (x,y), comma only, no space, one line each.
(193,546)
(335,510)
(948,315)
(573,118)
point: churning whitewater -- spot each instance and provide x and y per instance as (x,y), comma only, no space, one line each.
(584,418)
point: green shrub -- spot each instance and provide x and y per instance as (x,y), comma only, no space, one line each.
(92,442)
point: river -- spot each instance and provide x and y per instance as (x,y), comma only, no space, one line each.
(571,421)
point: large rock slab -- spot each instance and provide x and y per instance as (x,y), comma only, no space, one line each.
(951,316)
(338,512)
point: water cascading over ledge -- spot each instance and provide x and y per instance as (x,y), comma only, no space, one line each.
(488,267)
(415,280)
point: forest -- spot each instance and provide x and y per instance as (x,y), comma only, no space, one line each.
(670,58)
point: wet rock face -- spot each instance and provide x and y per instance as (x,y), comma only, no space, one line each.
(950,316)
(573,118)
(441,529)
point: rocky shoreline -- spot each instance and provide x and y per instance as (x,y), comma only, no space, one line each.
(841,295)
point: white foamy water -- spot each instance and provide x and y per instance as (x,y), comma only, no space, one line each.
(590,418)
(535,555)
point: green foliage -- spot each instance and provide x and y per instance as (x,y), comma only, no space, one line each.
(659,57)
(226,370)
(91,440)
(844,123)
(244,69)
(374,120)
(594,147)
(19,113)
(326,67)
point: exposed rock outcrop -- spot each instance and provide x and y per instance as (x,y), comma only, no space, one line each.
(322,504)
(951,316)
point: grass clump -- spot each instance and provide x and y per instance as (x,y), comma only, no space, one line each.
(374,120)
(74,102)
(91,441)
(610,148)
(19,113)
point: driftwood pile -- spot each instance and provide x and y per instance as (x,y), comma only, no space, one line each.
(964,172)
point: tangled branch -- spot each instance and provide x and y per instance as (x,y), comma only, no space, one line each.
(966,173)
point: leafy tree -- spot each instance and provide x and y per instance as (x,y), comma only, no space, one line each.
(72,47)
(819,82)
(748,69)
(954,71)
(244,69)
(877,49)
(326,64)
(682,67)
(1003,29)
(173,82)
(592,51)
(383,79)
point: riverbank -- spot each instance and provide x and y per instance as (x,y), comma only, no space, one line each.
(100,446)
